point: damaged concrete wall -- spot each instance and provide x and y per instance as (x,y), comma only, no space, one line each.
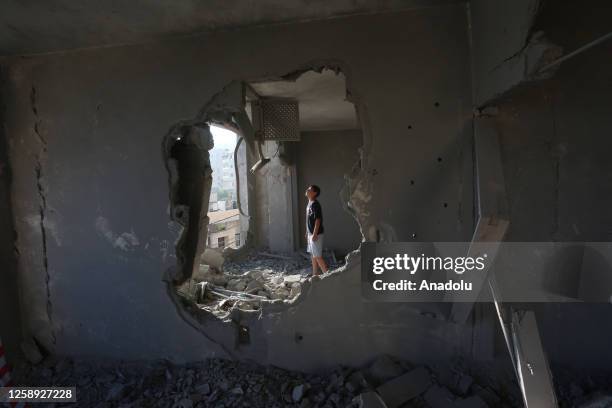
(324,158)
(85,131)
(10,314)
(554,137)
(275,222)
(504,50)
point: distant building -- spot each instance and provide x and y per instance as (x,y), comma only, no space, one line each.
(224,229)
(212,202)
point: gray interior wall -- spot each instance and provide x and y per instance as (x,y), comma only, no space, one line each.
(92,122)
(10,314)
(555,143)
(324,158)
(500,33)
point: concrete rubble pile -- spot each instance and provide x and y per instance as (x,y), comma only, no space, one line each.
(261,277)
(583,389)
(384,383)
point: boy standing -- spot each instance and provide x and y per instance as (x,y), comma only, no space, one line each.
(314,229)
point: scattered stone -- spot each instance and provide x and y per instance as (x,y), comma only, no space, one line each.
(297,393)
(203,389)
(471,402)
(237,390)
(488,395)
(296,289)
(288,280)
(369,399)
(115,392)
(405,387)
(224,383)
(357,380)
(184,403)
(439,397)
(463,384)
(213,258)
(384,368)
(253,286)
(597,400)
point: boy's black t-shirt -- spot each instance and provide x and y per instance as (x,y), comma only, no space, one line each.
(314,211)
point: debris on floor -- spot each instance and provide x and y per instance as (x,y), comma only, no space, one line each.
(261,277)
(225,383)
(583,388)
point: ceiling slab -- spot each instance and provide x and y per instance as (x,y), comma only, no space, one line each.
(321,97)
(42,26)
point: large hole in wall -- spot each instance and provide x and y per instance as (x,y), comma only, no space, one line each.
(238,175)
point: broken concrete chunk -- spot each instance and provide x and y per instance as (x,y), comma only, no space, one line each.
(471,402)
(369,400)
(255,274)
(184,403)
(405,387)
(488,395)
(357,380)
(280,293)
(207,274)
(288,280)
(213,258)
(597,400)
(463,384)
(253,286)
(439,397)
(238,285)
(295,291)
(237,390)
(116,392)
(297,393)
(384,368)
(203,389)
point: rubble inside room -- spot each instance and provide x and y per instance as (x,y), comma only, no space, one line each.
(246,283)
(383,383)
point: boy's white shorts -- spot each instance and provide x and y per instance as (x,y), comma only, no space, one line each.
(315,248)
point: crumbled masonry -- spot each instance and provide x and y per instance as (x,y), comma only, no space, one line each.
(222,383)
(261,277)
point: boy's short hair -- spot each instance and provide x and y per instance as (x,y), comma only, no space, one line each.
(315,188)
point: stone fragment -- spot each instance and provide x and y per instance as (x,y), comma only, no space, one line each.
(405,387)
(597,400)
(463,384)
(203,389)
(213,258)
(296,289)
(116,392)
(369,399)
(384,369)
(297,393)
(439,397)
(183,403)
(237,285)
(289,279)
(470,402)
(253,286)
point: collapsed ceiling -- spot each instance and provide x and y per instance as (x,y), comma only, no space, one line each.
(57,25)
(321,97)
